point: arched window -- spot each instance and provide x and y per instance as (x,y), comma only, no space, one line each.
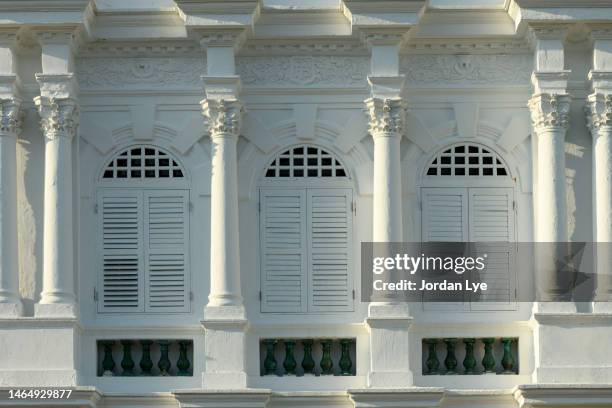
(467,196)
(306,233)
(140,162)
(305,161)
(143,218)
(467,159)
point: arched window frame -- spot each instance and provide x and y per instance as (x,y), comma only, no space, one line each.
(143,193)
(439,180)
(143,182)
(302,187)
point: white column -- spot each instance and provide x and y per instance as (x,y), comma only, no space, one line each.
(224,117)
(224,320)
(387,322)
(58,110)
(550,107)
(599,121)
(11,117)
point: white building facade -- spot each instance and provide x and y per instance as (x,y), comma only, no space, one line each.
(185,186)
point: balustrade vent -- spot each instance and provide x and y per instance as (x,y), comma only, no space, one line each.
(470,356)
(307,357)
(145,358)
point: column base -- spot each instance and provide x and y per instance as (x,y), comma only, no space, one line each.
(388,323)
(58,310)
(8,310)
(225,330)
(227,398)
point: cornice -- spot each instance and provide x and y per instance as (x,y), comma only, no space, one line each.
(484,45)
(43,5)
(313,46)
(140,49)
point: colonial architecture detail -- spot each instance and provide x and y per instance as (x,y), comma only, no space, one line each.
(186,187)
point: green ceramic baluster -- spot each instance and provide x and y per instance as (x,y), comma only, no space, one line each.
(508,359)
(488,361)
(327,365)
(450,361)
(432,362)
(270,361)
(146,364)
(164,362)
(183,362)
(127,363)
(289,364)
(308,363)
(108,364)
(469,362)
(345,362)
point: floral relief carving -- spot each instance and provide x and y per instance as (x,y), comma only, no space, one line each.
(126,72)
(224,116)
(479,69)
(59,116)
(303,71)
(11,116)
(550,111)
(598,111)
(387,116)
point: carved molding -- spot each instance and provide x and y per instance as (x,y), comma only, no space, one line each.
(11,117)
(139,72)
(224,116)
(286,71)
(549,111)
(473,69)
(386,116)
(222,38)
(598,111)
(59,117)
(280,71)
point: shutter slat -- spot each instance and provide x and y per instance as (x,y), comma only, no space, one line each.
(121,279)
(166,250)
(330,237)
(283,250)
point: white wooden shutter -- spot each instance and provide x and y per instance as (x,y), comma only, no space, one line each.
(330,239)
(166,236)
(444,215)
(121,248)
(283,250)
(445,219)
(491,217)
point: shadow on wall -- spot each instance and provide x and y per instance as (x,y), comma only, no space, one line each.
(30,162)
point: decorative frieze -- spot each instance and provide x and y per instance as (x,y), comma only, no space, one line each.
(59,117)
(139,72)
(287,71)
(598,111)
(224,116)
(497,70)
(11,116)
(550,111)
(387,116)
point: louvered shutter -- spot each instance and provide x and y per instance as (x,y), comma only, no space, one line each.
(283,250)
(445,219)
(166,235)
(121,248)
(491,217)
(329,240)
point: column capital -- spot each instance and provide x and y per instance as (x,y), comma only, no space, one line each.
(549,111)
(57,86)
(387,116)
(224,116)
(59,117)
(598,111)
(11,117)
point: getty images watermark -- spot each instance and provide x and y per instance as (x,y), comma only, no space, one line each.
(498,272)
